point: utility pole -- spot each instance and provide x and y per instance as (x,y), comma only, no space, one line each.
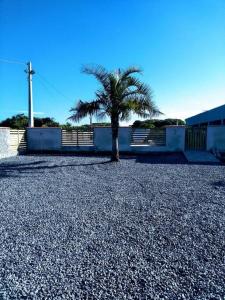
(30,72)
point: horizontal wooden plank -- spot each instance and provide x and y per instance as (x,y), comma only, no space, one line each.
(18,140)
(148,133)
(79,145)
(75,142)
(155,136)
(82,139)
(76,138)
(151,137)
(74,134)
(143,134)
(72,143)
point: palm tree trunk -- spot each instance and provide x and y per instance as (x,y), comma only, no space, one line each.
(115,133)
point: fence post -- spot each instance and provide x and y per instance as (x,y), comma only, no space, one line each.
(18,139)
(77,138)
(175,138)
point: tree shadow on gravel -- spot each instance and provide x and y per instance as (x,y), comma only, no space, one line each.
(172,158)
(219,184)
(13,170)
(158,158)
(175,158)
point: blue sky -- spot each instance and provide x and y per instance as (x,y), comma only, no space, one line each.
(180,44)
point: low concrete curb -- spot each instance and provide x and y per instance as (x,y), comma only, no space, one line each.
(200,157)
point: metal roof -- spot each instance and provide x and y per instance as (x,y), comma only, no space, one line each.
(215,114)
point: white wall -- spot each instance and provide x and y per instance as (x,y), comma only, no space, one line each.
(216,138)
(5,150)
(49,139)
(103,138)
(175,140)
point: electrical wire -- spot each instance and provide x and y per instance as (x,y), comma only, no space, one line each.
(43,78)
(12,61)
(52,85)
(43,84)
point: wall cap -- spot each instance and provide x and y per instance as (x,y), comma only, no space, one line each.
(43,128)
(222,126)
(169,126)
(110,127)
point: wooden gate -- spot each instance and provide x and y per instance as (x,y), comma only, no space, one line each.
(18,140)
(195,138)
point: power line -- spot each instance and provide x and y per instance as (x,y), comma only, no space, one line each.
(43,79)
(12,61)
(47,88)
(41,76)
(43,83)
(52,86)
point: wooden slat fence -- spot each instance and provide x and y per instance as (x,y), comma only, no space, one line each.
(151,137)
(18,140)
(75,138)
(195,138)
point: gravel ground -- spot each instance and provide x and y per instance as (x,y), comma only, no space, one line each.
(85,228)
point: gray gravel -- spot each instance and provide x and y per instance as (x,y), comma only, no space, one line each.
(85,228)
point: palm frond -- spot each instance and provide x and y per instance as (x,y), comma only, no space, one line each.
(140,87)
(129,71)
(84,109)
(100,73)
(125,115)
(142,106)
(101,115)
(104,100)
(142,90)
(114,87)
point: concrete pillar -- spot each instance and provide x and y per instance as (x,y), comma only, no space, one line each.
(44,139)
(175,138)
(103,138)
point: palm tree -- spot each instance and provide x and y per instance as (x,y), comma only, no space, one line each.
(121,94)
